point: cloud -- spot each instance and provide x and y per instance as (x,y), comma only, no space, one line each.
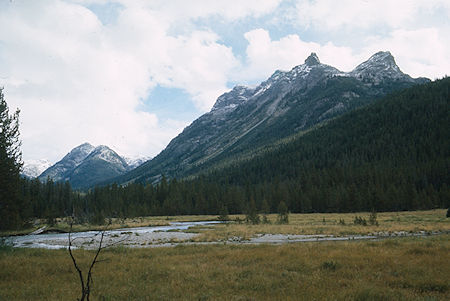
(78,80)
(265,55)
(354,15)
(79,77)
(230,9)
(419,53)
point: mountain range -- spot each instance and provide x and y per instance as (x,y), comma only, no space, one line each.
(250,118)
(87,165)
(392,154)
(243,122)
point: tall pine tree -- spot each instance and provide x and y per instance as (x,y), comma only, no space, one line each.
(10,166)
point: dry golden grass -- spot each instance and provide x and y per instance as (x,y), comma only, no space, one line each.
(328,223)
(315,223)
(393,269)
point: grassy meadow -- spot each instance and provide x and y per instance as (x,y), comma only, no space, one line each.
(392,269)
(411,268)
(339,224)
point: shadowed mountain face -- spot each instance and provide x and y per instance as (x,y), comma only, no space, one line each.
(286,103)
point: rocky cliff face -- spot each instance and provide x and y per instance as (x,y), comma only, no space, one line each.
(286,103)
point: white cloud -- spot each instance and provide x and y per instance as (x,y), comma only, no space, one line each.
(265,55)
(229,9)
(360,14)
(419,53)
(77,80)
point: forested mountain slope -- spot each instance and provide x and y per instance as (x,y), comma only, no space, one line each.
(286,103)
(390,155)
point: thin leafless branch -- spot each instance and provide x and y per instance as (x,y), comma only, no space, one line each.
(86,286)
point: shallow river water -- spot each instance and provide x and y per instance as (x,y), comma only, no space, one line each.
(173,234)
(141,236)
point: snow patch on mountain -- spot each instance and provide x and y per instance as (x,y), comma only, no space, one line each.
(134,162)
(104,153)
(33,168)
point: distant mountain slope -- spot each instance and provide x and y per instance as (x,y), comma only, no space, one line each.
(61,170)
(87,166)
(286,103)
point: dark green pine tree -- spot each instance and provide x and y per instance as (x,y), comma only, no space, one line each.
(10,166)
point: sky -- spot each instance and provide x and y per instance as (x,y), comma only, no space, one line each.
(132,74)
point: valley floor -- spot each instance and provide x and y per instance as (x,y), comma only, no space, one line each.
(394,269)
(407,268)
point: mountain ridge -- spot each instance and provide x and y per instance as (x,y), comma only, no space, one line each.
(287,102)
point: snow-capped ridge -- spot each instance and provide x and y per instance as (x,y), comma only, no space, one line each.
(87,165)
(230,100)
(378,67)
(104,153)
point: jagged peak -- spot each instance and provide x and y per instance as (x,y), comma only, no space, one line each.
(378,67)
(383,57)
(312,59)
(380,59)
(232,98)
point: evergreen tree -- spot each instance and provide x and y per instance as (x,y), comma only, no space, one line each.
(283,213)
(10,166)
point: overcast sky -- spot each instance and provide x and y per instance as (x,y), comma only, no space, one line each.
(132,74)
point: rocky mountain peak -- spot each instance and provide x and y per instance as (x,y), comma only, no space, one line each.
(229,100)
(288,102)
(383,58)
(378,67)
(85,147)
(79,153)
(104,153)
(87,165)
(312,59)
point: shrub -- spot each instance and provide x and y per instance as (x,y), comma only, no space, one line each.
(360,221)
(373,218)
(329,265)
(265,220)
(283,213)
(223,214)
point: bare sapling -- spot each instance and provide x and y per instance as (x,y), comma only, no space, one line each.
(86,283)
